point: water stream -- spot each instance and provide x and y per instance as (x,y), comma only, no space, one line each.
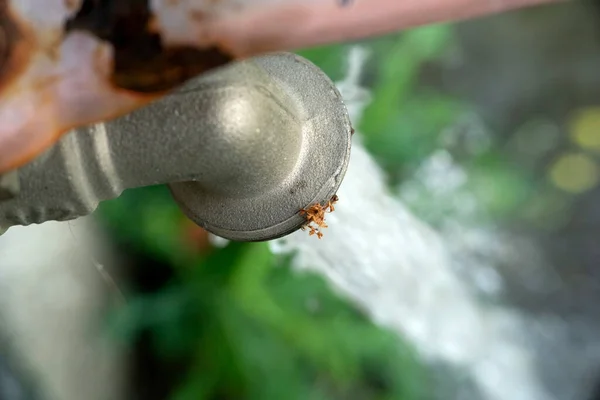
(437,288)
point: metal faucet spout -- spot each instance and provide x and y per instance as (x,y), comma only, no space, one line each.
(242,148)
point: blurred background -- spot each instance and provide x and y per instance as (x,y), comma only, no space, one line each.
(461,262)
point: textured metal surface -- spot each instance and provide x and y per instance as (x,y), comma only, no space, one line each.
(244,149)
(318,171)
(9,185)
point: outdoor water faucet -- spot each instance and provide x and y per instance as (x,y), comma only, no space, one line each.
(243,149)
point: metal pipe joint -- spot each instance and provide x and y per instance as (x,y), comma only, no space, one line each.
(243,149)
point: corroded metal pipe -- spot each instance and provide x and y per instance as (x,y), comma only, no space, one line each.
(69,63)
(243,148)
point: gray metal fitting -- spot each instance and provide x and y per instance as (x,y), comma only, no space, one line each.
(9,185)
(243,150)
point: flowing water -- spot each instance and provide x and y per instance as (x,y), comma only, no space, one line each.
(442,289)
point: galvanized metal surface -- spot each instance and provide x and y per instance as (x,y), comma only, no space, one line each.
(9,185)
(244,148)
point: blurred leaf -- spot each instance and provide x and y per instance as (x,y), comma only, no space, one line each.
(499,187)
(412,134)
(429,42)
(329,58)
(399,67)
(148,219)
(255,298)
(548,208)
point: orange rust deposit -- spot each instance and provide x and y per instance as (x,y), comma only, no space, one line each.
(67,63)
(16,47)
(315,216)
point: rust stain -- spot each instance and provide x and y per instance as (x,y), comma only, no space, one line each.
(198,15)
(153,26)
(142,68)
(72,5)
(141,62)
(33,148)
(53,51)
(51,123)
(58,129)
(17,46)
(165,71)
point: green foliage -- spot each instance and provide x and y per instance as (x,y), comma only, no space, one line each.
(329,58)
(402,124)
(408,137)
(247,325)
(499,187)
(148,218)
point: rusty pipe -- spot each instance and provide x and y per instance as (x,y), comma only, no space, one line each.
(243,149)
(69,63)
